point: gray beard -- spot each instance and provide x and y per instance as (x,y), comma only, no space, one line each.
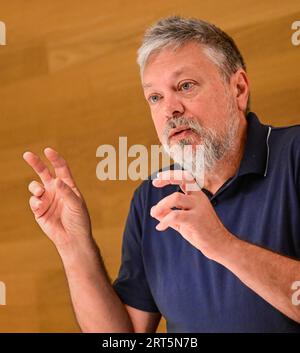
(200,158)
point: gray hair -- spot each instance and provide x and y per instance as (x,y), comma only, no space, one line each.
(176,31)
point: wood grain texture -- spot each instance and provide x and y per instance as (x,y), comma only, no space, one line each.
(68,79)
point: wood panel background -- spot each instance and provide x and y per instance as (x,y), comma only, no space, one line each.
(68,79)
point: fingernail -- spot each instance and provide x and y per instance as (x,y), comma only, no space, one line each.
(37,204)
(152,210)
(158,227)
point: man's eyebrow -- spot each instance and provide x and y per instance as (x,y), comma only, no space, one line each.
(174,75)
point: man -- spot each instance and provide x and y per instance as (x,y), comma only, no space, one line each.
(222,259)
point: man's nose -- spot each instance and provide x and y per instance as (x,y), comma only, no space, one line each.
(173,107)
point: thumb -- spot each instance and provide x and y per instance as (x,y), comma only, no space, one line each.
(66,193)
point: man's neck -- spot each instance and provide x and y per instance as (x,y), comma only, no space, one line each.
(228,166)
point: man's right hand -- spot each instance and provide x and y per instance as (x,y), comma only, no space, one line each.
(61,212)
(57,204)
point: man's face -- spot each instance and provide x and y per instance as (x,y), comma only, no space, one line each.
(184,90)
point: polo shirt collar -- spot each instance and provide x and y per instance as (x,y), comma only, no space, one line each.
(256,152)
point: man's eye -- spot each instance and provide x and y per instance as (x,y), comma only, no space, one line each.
(186,86)
(154,98)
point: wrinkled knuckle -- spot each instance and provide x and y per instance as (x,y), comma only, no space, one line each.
(81,203)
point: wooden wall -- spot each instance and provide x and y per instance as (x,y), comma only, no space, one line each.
(68,79)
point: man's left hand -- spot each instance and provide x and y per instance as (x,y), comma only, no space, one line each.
(194,217)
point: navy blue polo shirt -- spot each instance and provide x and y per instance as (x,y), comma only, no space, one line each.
(162,272)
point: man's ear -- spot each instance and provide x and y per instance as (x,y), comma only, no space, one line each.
(241,89)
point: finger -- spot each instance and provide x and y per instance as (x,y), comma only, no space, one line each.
(175,219)
(60,166)
(38,206)
(36,188)
(177,174)
(177,199)
(67,194)
(183,178)
(38,166)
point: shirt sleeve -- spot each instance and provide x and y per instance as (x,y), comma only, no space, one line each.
(131,285)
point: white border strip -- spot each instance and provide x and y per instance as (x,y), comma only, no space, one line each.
(269,132)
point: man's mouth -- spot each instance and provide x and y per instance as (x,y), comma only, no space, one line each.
(179,132)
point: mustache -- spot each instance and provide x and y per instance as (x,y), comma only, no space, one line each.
(182,121)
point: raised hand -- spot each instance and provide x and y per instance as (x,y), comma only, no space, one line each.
(57,204)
